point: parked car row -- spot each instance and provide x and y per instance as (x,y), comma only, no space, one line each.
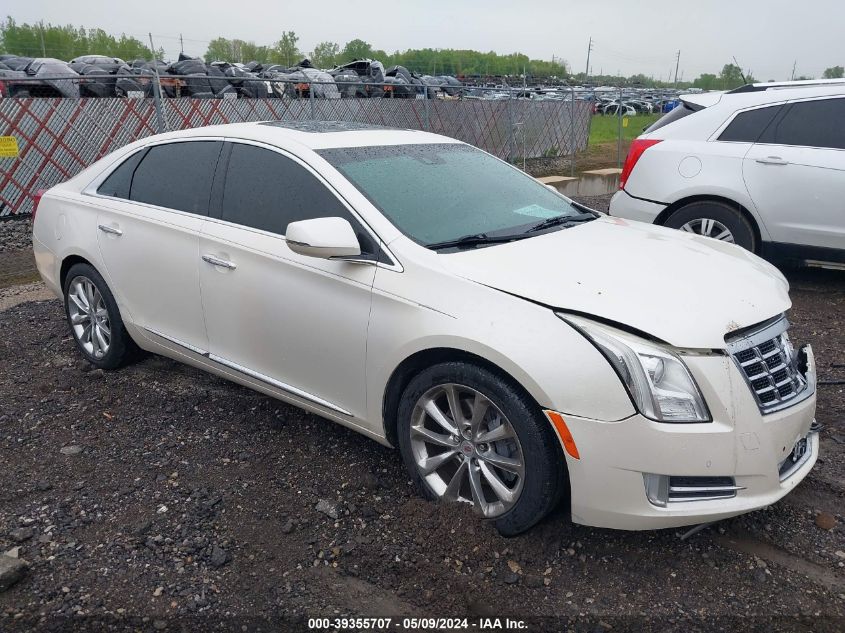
(101,76)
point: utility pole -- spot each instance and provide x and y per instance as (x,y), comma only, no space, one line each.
(677,63)
(41,32)
(589,48)
(181,44)
(794,64)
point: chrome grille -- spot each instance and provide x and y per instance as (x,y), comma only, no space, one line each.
(769,364)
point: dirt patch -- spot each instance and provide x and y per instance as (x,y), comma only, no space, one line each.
(191,501)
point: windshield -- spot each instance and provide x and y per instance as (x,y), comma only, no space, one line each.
(435,193)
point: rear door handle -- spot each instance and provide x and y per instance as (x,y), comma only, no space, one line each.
(105,228)
(216,261)
(772,160)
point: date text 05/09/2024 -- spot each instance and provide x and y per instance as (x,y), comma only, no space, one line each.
(416,624)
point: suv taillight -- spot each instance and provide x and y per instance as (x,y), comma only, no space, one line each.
(638,146)
(37,199)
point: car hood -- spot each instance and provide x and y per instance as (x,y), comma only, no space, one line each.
(686,290)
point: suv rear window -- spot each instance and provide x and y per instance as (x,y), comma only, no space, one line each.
(748,126)
(816,123)
(676,114)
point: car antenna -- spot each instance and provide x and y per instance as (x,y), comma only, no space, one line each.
(741,74)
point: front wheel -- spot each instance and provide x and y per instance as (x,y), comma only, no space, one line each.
(468,435)
(714,219)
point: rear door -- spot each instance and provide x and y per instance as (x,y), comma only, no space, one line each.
(298,323)
(148,235)
(795,174)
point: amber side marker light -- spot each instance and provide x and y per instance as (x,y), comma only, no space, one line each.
(563,433)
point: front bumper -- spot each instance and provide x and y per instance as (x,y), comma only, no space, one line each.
(608,482)
(624,205)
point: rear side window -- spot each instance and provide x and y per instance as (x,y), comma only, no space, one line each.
(748,126)
(675,114)
(265,190)
(120,180)
(177,176)
(819,123)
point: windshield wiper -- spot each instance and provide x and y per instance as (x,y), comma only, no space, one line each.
(562,220)
(478,239)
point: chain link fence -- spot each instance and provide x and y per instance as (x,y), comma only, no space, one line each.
(58,137)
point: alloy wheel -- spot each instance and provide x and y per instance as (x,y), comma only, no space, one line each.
(466,449)
(709,228)
(89,317)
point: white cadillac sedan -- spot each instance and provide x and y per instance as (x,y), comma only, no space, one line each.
(519,349)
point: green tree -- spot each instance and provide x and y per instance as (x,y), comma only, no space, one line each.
(834,72)
(285,51)
(731,77)
(325,55)
(706,81)
(66,42)
(356,49)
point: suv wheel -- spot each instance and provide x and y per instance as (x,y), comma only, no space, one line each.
(714,219)
(94,319)
(467,435)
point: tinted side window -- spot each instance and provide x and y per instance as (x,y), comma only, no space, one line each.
(748,126)
(118,182)
(265,190)
(177,176)
(810,123)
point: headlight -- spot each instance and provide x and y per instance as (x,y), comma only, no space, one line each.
(657,379)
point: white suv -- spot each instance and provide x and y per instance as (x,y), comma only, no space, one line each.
(762,166)
(435,298)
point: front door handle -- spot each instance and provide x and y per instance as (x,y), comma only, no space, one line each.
(216,261)
(772,160)
(105,228)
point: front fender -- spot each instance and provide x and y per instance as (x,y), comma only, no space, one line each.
(555,364)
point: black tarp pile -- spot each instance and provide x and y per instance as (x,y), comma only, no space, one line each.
(101,76)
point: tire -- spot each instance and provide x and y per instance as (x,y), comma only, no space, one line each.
(525,437)
(695,216)
(120,348)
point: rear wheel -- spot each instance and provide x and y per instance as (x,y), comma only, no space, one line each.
(94,319)
(468,435)
(717,220)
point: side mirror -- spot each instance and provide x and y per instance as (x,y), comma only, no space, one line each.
(323,237)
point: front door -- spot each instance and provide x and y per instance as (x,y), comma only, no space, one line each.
(298,323)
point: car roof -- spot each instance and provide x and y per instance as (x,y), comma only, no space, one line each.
(312,134)
(761,94)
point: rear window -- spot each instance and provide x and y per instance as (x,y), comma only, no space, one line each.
(748,126)
(177,176)
(676,114)
(810,124)
(120,180)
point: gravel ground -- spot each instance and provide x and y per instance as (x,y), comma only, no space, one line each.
(15,234)
(158,497)
(598,203)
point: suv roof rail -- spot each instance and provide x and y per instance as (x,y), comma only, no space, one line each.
(786,84)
